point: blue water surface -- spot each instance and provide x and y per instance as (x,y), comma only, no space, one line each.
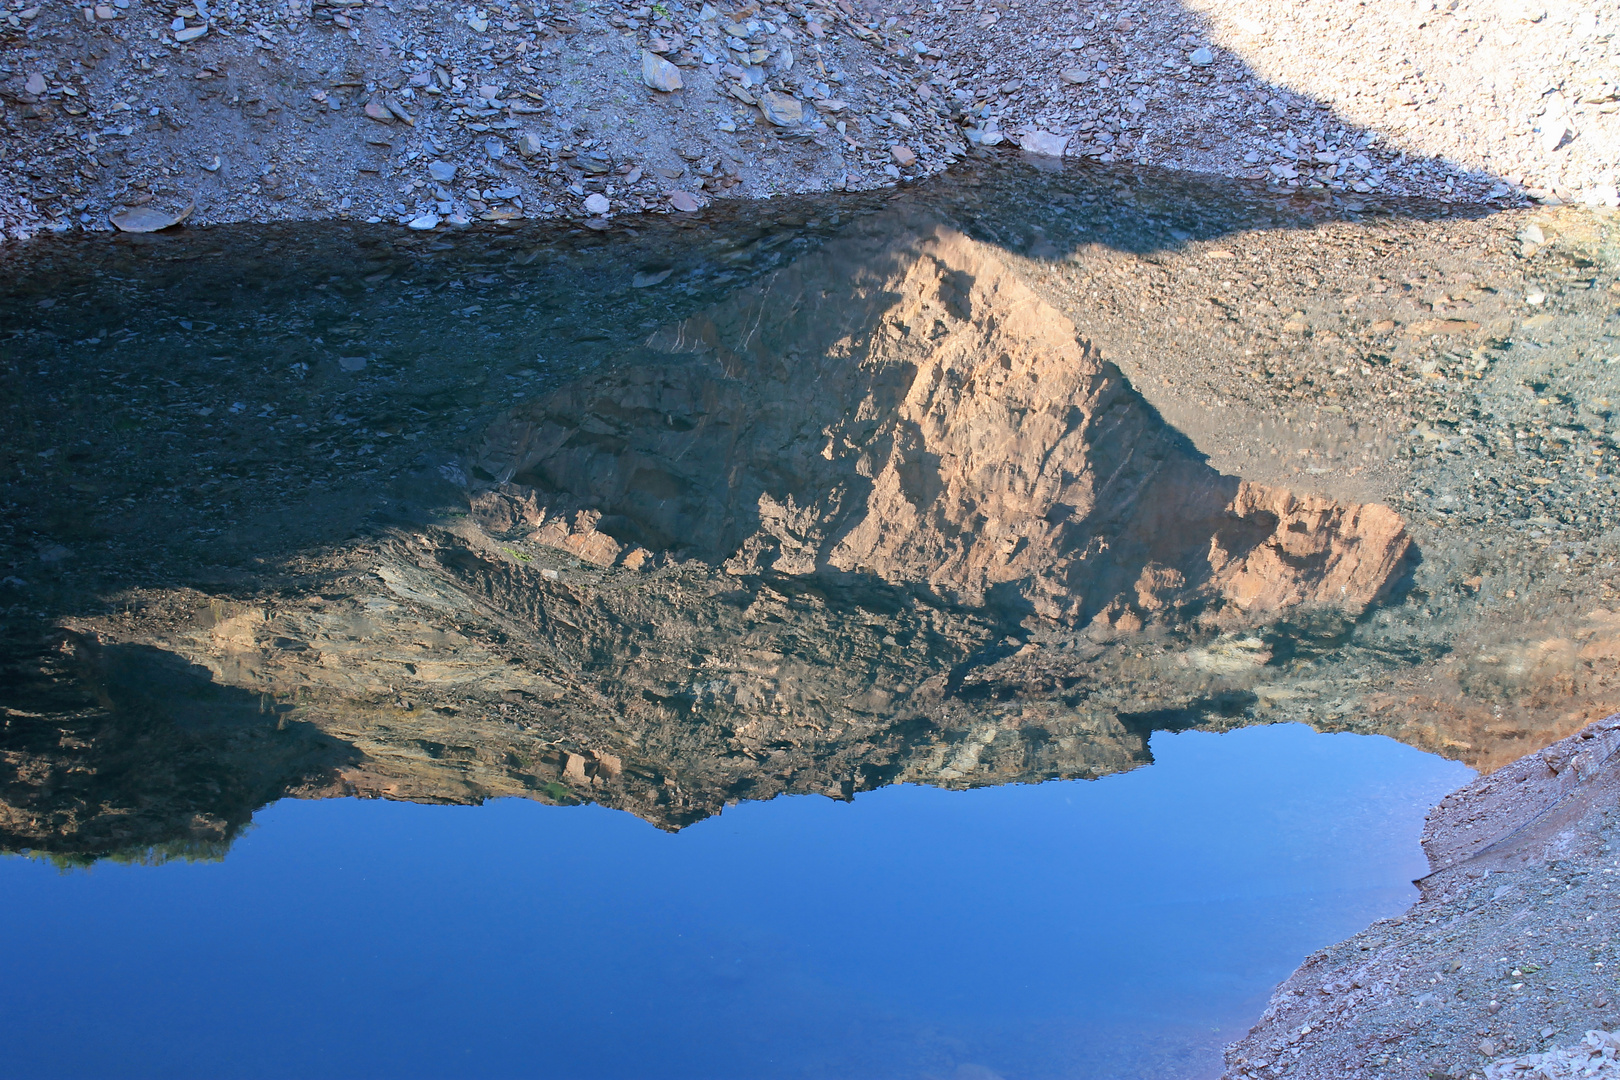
(1115,928)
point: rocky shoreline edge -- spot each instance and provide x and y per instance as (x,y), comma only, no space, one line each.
(1503,967)
(133,115)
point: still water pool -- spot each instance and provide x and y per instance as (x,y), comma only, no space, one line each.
(996,628)
(1118,928)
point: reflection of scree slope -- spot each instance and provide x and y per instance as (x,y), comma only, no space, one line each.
(912,411)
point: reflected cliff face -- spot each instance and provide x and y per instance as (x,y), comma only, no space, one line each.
(899,408)
(812,505)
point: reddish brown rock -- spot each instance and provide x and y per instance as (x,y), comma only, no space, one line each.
(912,411)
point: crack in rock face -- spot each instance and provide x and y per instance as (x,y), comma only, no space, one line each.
(910,411)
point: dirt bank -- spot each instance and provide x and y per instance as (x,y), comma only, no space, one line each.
(258,110)
(1508,954)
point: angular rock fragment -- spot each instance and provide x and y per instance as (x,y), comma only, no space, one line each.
(394,106)
(144,219)
(659,74)
(1043,143)
(783,110)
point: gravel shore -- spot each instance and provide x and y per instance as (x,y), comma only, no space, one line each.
(418,113)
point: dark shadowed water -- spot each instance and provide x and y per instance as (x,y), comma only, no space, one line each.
(995,629)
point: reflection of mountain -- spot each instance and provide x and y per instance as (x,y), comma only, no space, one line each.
(429,692)
(880,516)
(909,411)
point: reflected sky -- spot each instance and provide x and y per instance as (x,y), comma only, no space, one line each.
(1123,927)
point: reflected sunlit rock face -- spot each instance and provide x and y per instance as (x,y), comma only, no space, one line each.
(903,407)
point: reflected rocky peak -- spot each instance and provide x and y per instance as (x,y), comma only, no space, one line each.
(908,489)
(900,406)
(881,515)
